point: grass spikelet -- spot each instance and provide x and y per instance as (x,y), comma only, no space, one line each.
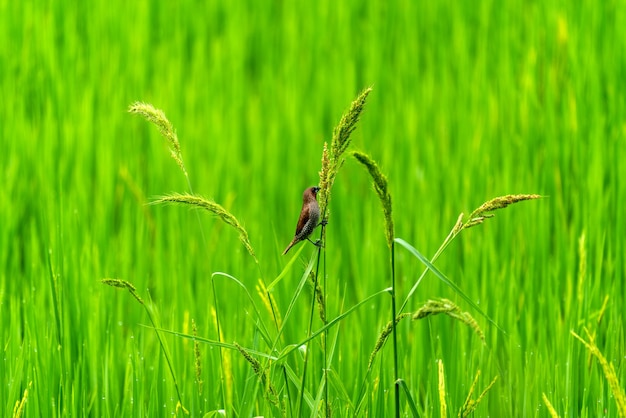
(483,211)
(380,186)
(322,197)
(347,124)
(18,409)
(383,337)
(608,370)
(215,209)
(443,409)
(470,404)
(551,409)
(319,296)
(166,129)
(197,357)
(261,373)
(445,306)
(123,284)
(332,159)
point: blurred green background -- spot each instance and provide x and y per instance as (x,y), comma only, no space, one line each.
(471,100)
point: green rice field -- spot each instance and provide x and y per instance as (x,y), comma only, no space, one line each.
(129,289)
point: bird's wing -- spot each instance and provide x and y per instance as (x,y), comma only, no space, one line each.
(304,217)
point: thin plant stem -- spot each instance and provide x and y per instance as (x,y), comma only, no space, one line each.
(310,328)
(395,334)
(325,339)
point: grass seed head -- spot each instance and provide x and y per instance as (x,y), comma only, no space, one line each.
(382,190)
(483,211)
(157,117)
(445,306)
(215,209)
(332,159)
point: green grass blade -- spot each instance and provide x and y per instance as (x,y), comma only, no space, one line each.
(409,398)
(330,324)
(444,279)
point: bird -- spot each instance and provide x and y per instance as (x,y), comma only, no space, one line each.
(309,215)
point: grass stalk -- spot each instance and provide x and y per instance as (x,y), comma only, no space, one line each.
(470,405)
(478,216)
(609,372)
(332,160)
(381,187)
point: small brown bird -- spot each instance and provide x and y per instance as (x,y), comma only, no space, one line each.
(309,215)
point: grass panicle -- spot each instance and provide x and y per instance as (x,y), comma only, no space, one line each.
(608,370)
(381,188)
(18,409)
(476,217)
(157,117)
(319,296)
(123,284)
(483,212)
(383,337)
(215,209)
(271,393)
(470,404)
(551,410)
(197,357)
(445,306)
(332,159)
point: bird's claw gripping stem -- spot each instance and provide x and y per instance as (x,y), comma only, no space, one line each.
(318,243)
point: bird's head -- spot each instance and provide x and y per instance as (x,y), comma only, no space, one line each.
(311,192)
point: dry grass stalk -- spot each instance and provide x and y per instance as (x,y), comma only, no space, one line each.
(608,370)
(551,409)
(445,306)
(215,209)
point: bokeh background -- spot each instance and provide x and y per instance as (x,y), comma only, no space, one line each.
(470,100)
